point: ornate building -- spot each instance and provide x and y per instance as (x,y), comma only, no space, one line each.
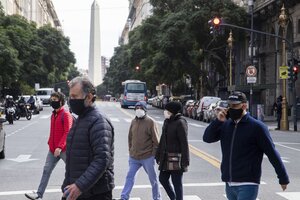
(39,11)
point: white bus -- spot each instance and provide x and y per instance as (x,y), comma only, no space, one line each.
(133,91)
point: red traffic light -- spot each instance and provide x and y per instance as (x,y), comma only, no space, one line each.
(216,21)
(295,69)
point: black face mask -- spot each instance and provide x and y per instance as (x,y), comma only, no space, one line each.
(77,106)
(235,114)
(55,104)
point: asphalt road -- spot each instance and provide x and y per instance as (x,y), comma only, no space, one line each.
(26,149)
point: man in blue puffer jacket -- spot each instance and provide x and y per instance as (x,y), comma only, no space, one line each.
(244,141)
(90,147)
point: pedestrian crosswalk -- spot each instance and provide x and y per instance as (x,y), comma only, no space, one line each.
(113,119)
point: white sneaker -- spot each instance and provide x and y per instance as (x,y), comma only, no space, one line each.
(32,196)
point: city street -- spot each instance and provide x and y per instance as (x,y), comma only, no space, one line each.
(26,149)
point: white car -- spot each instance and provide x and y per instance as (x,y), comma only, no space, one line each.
(204,104)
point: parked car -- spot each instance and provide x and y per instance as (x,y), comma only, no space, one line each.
(2,138)
(219,104)
(194,109)
(208,112)
(204,103)
(186,106)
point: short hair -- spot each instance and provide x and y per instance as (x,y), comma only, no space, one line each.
(60,96)
(86,85)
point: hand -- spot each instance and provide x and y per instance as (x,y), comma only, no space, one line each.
(284,187)
(72,192)
(57,152)
(221,114)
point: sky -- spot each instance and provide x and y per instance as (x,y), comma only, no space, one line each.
(75,15)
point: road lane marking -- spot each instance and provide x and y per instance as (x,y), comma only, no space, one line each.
(209,158)
(191,197)
(114,119)
(197,125)
(290,195)
(45,116)
(279,144)
(20,129)
(128,120)
(22,158)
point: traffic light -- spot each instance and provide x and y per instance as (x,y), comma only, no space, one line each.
(214,25)
(137,68)
(295,72)
(290,72)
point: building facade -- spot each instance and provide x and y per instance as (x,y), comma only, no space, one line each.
(268,54)
(41,12)
(139,10)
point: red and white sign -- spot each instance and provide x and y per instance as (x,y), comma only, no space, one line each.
(251,71)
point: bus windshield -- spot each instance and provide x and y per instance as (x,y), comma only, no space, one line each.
(137,87)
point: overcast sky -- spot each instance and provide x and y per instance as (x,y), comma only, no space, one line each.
(75,15)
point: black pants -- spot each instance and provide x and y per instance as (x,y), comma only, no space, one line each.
(278,120)
(102,196)
(176,177)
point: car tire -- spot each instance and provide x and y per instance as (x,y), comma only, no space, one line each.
(2,153)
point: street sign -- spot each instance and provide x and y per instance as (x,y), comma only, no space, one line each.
(251,79)
(251,71)
(283,72)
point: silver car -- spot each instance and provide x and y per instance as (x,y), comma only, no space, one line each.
(2,138)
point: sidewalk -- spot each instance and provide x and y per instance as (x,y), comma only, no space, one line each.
(271,122)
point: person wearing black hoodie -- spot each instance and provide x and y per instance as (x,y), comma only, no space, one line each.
(244,140)
(173,140)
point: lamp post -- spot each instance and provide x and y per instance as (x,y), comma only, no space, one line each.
(230,41)
(250,4)
(284,124)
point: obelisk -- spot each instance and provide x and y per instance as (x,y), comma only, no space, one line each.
(95,46)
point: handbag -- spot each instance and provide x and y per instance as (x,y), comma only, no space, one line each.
(173,161)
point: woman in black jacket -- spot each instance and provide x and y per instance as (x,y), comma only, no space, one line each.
(173,140)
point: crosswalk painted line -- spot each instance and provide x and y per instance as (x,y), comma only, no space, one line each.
(45,116)
(128,120)
(196,125)
(114,119)
(290,195)
(191,197)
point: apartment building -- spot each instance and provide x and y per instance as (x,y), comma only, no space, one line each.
(138,11)
(39,11)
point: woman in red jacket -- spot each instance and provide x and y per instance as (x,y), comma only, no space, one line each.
(61,122)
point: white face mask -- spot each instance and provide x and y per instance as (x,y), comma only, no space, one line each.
(167,114)
(140,113)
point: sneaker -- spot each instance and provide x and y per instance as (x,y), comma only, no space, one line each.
(32,196)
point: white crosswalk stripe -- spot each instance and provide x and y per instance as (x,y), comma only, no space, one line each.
(290,195)
(196,125)
(114,119)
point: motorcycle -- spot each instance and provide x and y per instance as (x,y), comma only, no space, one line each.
(23,111)
(10,115)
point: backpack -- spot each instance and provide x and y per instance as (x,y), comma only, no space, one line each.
(62,117)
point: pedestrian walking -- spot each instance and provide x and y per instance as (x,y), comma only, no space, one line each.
(244,140)
(90,147)
(142,143)
(61,122)
(172,155)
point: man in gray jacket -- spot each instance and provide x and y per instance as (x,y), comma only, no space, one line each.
(142,142)
(90,147)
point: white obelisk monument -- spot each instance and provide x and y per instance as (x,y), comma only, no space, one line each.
(95,46)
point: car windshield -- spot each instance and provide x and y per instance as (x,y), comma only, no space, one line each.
(136,87)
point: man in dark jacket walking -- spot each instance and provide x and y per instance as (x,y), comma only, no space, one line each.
(244,141)
(90,147)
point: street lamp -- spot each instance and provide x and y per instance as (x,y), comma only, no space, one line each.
(284,124)
(230,41)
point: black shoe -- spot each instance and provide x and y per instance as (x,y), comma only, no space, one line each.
(277,128)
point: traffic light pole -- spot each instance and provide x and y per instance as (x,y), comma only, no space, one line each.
(292,55)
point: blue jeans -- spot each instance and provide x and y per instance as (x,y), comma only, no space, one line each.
(243,192)
(149,166)
(176,177)
(50,164)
